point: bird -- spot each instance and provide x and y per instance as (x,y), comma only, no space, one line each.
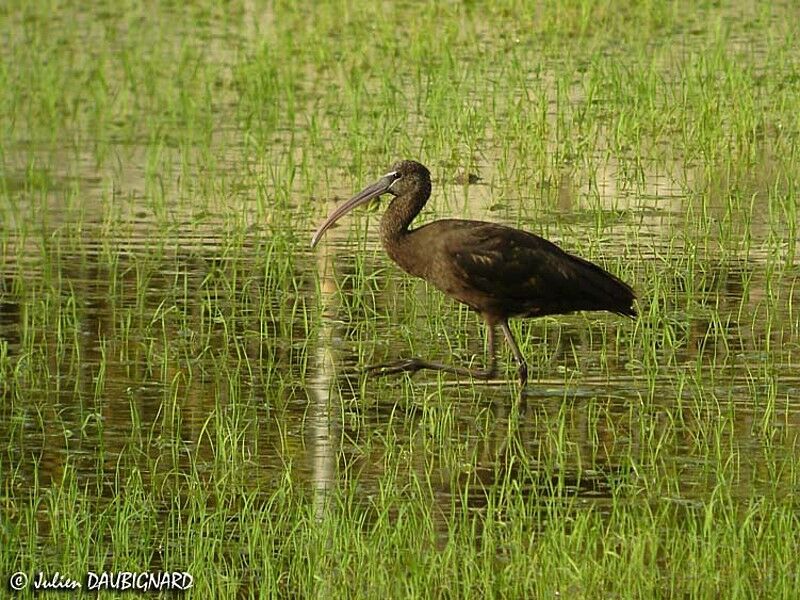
(498,271)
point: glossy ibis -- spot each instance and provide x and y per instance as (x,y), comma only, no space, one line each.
(498,271)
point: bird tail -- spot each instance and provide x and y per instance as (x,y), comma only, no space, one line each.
(607,291)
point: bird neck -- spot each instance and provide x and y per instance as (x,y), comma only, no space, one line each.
(401,212)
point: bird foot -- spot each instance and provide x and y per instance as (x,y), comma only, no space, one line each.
(406,365)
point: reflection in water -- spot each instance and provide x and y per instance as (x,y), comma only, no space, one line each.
(324,417)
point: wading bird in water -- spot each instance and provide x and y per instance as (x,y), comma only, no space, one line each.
(498,271)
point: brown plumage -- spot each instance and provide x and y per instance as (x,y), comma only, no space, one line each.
(498,271)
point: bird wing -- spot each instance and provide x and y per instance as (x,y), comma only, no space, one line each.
(526,274)
(500,261)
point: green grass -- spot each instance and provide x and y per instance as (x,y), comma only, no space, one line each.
(180,376)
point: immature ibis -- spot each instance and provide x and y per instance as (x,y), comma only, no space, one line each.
(498,271)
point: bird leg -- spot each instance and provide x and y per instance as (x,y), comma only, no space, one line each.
(523,368)
(412,365)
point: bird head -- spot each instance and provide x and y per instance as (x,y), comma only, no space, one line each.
(405,177)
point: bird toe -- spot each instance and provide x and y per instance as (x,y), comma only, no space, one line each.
(406,365)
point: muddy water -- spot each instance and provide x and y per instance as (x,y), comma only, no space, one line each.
(163,354)
(133,315)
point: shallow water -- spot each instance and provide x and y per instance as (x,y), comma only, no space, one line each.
(148,306)
(164,352)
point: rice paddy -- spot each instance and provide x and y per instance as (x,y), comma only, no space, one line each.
(181,377)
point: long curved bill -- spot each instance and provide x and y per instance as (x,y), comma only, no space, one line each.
(368,193)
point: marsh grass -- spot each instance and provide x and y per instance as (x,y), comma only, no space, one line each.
(180,378)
